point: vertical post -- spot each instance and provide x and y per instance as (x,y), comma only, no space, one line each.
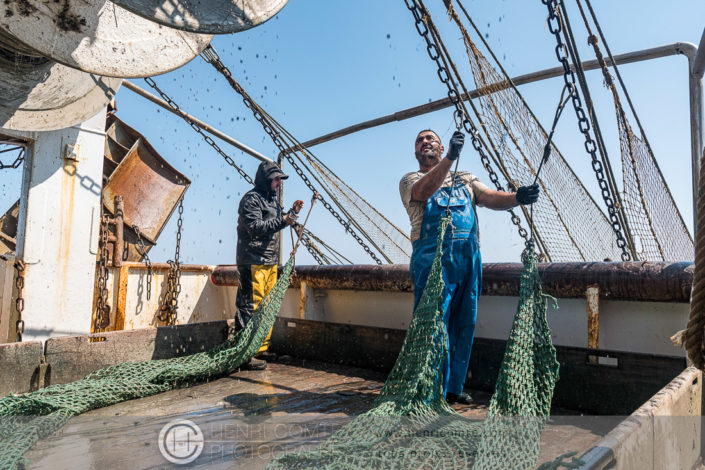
(593,312)
(280,162)
(57,227)
(303,291)
(697,69)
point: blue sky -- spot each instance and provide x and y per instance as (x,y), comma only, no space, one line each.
(322,65)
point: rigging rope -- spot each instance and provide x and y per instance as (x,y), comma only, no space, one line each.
(438,53)
(411,425)
(228,159)
(695,332)
(601,166)
(649,206)
(569,224)
(387,239)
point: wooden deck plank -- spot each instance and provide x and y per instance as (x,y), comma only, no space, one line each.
(249,415)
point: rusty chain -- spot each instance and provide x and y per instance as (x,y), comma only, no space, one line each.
(19,302)
(561,50)
(305,241)
(102,313)
(142,250)
(209,140)
(18,160)
(271,127)
(460,115)
(169,309)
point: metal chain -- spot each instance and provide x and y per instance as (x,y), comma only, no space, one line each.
(102,312)
(308,243)
(18,161)
(554,26)
(209,140)
(142,250)
(270,127)
(19,302)
(170,307)
(455,98)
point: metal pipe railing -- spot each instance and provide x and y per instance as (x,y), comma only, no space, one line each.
(695,86)
(685,48)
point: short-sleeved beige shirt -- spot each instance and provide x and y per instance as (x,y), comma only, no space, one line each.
(416,209)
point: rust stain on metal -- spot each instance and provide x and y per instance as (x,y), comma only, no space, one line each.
(66,208)
(225,275)
(195,268)
(593,317)
(302,299)
(122,279)
(151,187)
(644,281)
(394,278)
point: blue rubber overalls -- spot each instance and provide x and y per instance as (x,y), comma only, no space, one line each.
(462,274)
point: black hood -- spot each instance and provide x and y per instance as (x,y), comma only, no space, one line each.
(266,172)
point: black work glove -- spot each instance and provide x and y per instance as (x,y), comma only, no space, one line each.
(456,145)
(528,194)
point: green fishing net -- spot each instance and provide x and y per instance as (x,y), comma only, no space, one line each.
(412,426)
(25,419)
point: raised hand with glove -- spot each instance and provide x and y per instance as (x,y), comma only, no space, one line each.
(528,194)
(457,141)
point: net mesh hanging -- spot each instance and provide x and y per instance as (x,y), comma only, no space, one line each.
(391,242)
(30,417)
(569,222)
(412,426)
(656,225)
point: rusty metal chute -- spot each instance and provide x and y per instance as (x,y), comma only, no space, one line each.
(212,16)
(99,37)
(150,186)
(132,168)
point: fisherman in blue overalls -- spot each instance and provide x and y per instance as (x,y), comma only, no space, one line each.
(426,195)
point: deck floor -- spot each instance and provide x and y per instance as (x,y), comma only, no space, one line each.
(249,416)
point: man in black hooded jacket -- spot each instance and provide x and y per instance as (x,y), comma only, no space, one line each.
(260,218)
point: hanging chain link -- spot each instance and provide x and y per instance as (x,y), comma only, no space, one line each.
(209,140)
(459,115)
(18,160)
(170,307)
(270,127)
(102,312)
(19,302)
(142,250)
(554,26)
(308,243)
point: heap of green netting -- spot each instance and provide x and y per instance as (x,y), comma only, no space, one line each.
(412,426)
(25,419)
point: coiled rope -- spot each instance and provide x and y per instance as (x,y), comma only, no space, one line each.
(695,332)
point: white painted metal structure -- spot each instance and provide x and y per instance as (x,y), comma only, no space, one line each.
(100,37)
(44,95)
(211,16)
(57,233)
